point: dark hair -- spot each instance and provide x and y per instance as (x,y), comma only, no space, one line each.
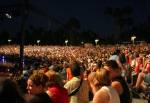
(116,52)
(40,98)
(75,69)
(99,63)
(9,89)
(55,68)
(112,63)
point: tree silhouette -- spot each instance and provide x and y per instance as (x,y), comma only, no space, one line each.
(4,35)
(122,18)
(73,27)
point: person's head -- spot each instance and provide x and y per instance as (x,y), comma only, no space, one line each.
(65,64)
(97,65)
(9,92)
(36,83)
(117,52)
(55,68)
(40,98)
(86,74)
(113,68)
(140,60)
(53,78)
(75,69)
(102,78)
(99,78)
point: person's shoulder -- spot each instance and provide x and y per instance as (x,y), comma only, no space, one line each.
(117,85)
(68,84)
(74,80)
(101,92)
(41,98)
(101,96)
(44,95)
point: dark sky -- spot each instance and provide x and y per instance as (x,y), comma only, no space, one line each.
(90,13)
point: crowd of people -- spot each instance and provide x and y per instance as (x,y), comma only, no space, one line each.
(78,74)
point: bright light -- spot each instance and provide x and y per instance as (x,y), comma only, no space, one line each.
(96,41)
(8,16)
(66,42)
(9,40)
(82,42)
(133,39)
(38,41)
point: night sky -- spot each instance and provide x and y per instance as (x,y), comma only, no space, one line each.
(90,13)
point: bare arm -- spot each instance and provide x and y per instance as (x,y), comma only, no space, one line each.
(117,86)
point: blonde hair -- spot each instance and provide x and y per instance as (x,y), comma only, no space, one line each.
(53,78)
(102,78)
(99,78)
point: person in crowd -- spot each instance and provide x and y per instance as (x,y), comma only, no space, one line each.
(143,80)
(9,91)
(55,68)
(36,86)
(78,89)
(86,74)
(39,98)
(116,56)
(66,72)
(118,81)
(96,66)
(63,73)
(91,78)
(139,66)
(133,64)
(56,91)
(102,89)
